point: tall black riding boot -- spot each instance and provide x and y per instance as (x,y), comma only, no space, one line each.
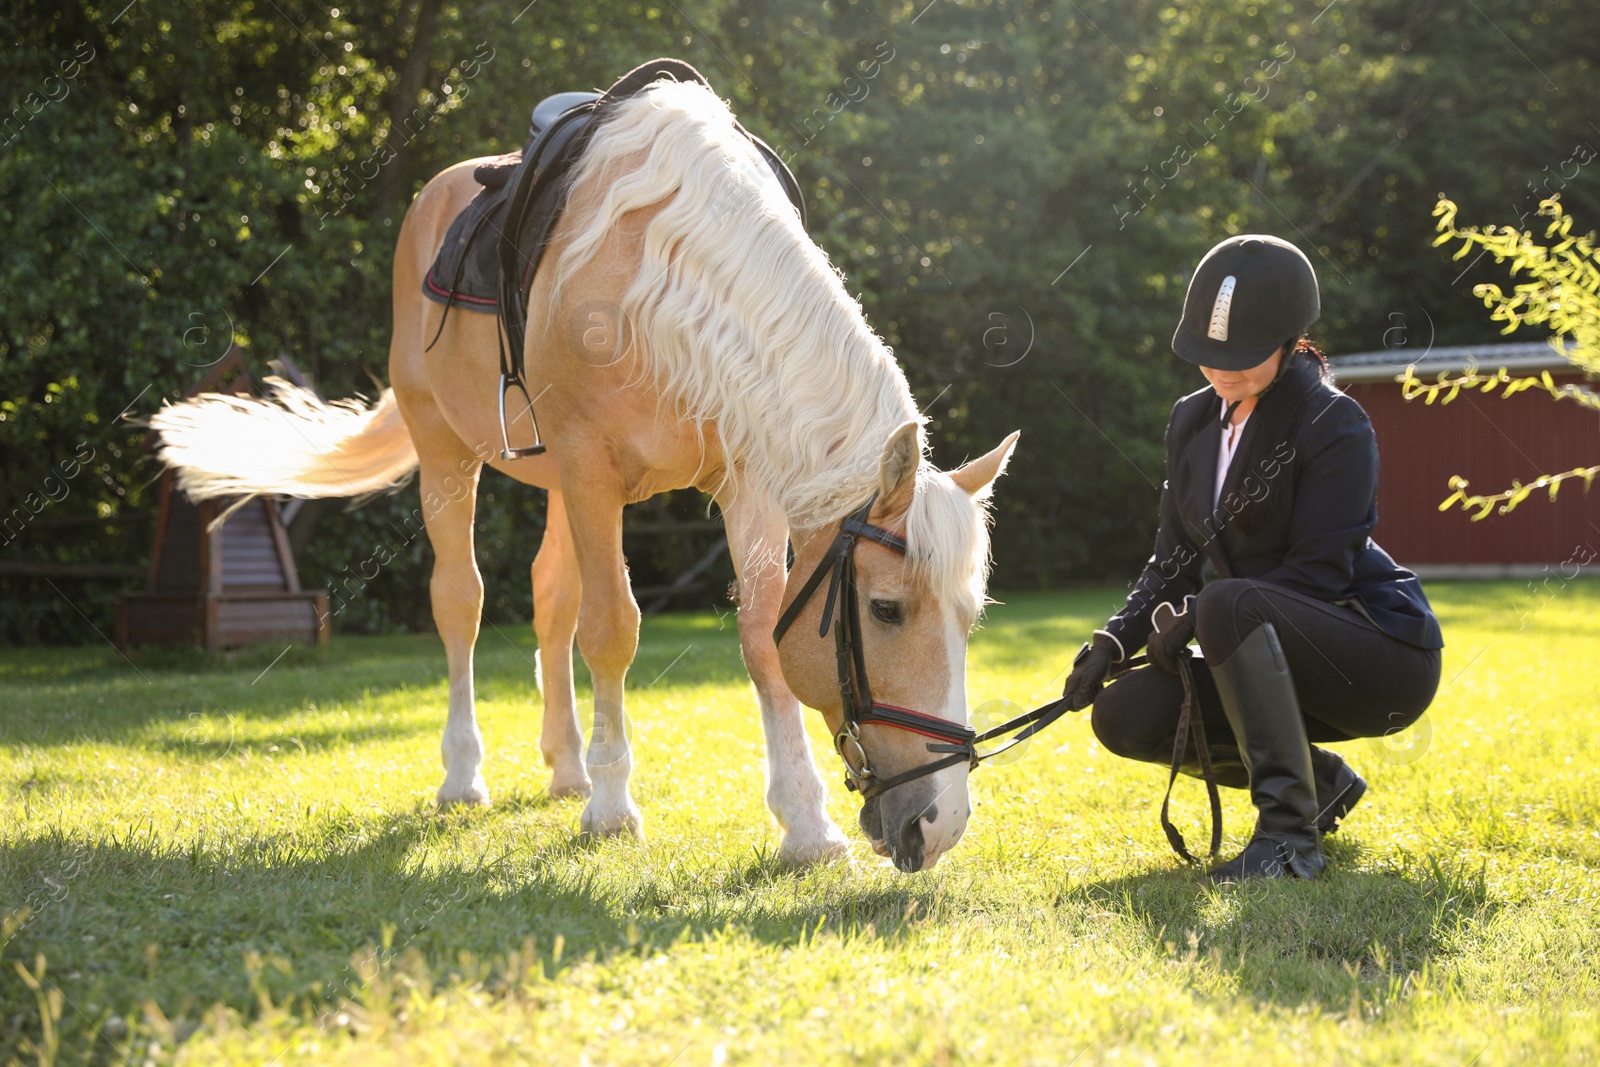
(1259,699)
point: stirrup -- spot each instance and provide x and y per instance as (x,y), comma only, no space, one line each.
(506,451)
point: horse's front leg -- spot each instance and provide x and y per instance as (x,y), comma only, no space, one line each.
(556,593)
(757,541)
(608,638)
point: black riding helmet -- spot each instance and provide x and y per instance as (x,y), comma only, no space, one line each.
(1247,295)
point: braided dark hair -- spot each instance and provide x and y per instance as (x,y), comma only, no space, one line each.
(1306,346)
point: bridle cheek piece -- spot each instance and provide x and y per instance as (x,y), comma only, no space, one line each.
(956,742)
(953,742)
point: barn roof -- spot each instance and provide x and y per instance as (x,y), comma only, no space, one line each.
(1388,363)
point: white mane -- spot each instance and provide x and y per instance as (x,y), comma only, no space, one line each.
(746,323)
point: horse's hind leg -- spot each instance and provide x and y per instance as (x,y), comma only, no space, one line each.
(449,488)
(557,587)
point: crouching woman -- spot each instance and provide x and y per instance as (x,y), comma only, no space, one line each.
(1308,631)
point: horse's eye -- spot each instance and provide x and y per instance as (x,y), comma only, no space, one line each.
(887,611)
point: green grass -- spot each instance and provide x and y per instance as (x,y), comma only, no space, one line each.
(206,863)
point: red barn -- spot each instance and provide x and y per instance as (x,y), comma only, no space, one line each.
(1490,441)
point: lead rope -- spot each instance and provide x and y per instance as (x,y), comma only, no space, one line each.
(1191,726)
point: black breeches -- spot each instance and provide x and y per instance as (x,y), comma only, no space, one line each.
(1352,679)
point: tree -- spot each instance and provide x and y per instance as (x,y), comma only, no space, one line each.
(1562,294)
(994,178)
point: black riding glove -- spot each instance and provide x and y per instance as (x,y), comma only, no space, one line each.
(1174,630)
(1089,669)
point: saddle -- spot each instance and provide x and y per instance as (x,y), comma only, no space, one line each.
(466,270)
(493,248)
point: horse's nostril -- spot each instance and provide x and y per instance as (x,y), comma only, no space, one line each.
(872,820)
(907,848)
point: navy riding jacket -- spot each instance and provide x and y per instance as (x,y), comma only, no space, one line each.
(1316,543)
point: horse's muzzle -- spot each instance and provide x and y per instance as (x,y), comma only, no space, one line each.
(902,841)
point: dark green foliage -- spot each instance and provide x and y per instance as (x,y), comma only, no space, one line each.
(176,174)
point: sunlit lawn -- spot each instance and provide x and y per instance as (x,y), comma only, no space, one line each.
(240,862)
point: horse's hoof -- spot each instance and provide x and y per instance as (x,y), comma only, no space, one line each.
(473,795)
(564,785)
(570,781)
(813,850)
(627,822)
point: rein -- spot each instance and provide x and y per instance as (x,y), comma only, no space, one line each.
(953,742)
(1190,728)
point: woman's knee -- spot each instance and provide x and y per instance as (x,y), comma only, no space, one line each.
(1225,612)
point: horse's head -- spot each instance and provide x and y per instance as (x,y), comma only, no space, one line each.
(919,565)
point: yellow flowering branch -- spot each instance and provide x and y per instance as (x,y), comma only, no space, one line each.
(1564,291)
(1563,295)
(1412,387)
(1518,492)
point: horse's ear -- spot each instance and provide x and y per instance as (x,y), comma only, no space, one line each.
(977,477)
(897,470)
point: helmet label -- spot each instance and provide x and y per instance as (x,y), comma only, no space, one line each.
(1220,309)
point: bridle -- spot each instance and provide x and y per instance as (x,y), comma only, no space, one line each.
(953,743)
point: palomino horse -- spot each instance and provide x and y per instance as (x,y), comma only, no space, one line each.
(684,332)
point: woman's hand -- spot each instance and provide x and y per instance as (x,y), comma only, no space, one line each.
(1174,630)
(1089,670)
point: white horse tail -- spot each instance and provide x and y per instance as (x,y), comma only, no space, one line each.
(293,444)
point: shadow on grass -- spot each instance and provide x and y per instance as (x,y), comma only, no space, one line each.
(220,739)
(67,696)
(1370,934)
(79,695)
(197,719)
(131,918)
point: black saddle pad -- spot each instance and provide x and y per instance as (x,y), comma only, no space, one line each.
(465,272)
(525,191)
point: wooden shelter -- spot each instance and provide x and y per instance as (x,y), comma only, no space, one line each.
(234,584)
(1490,441)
